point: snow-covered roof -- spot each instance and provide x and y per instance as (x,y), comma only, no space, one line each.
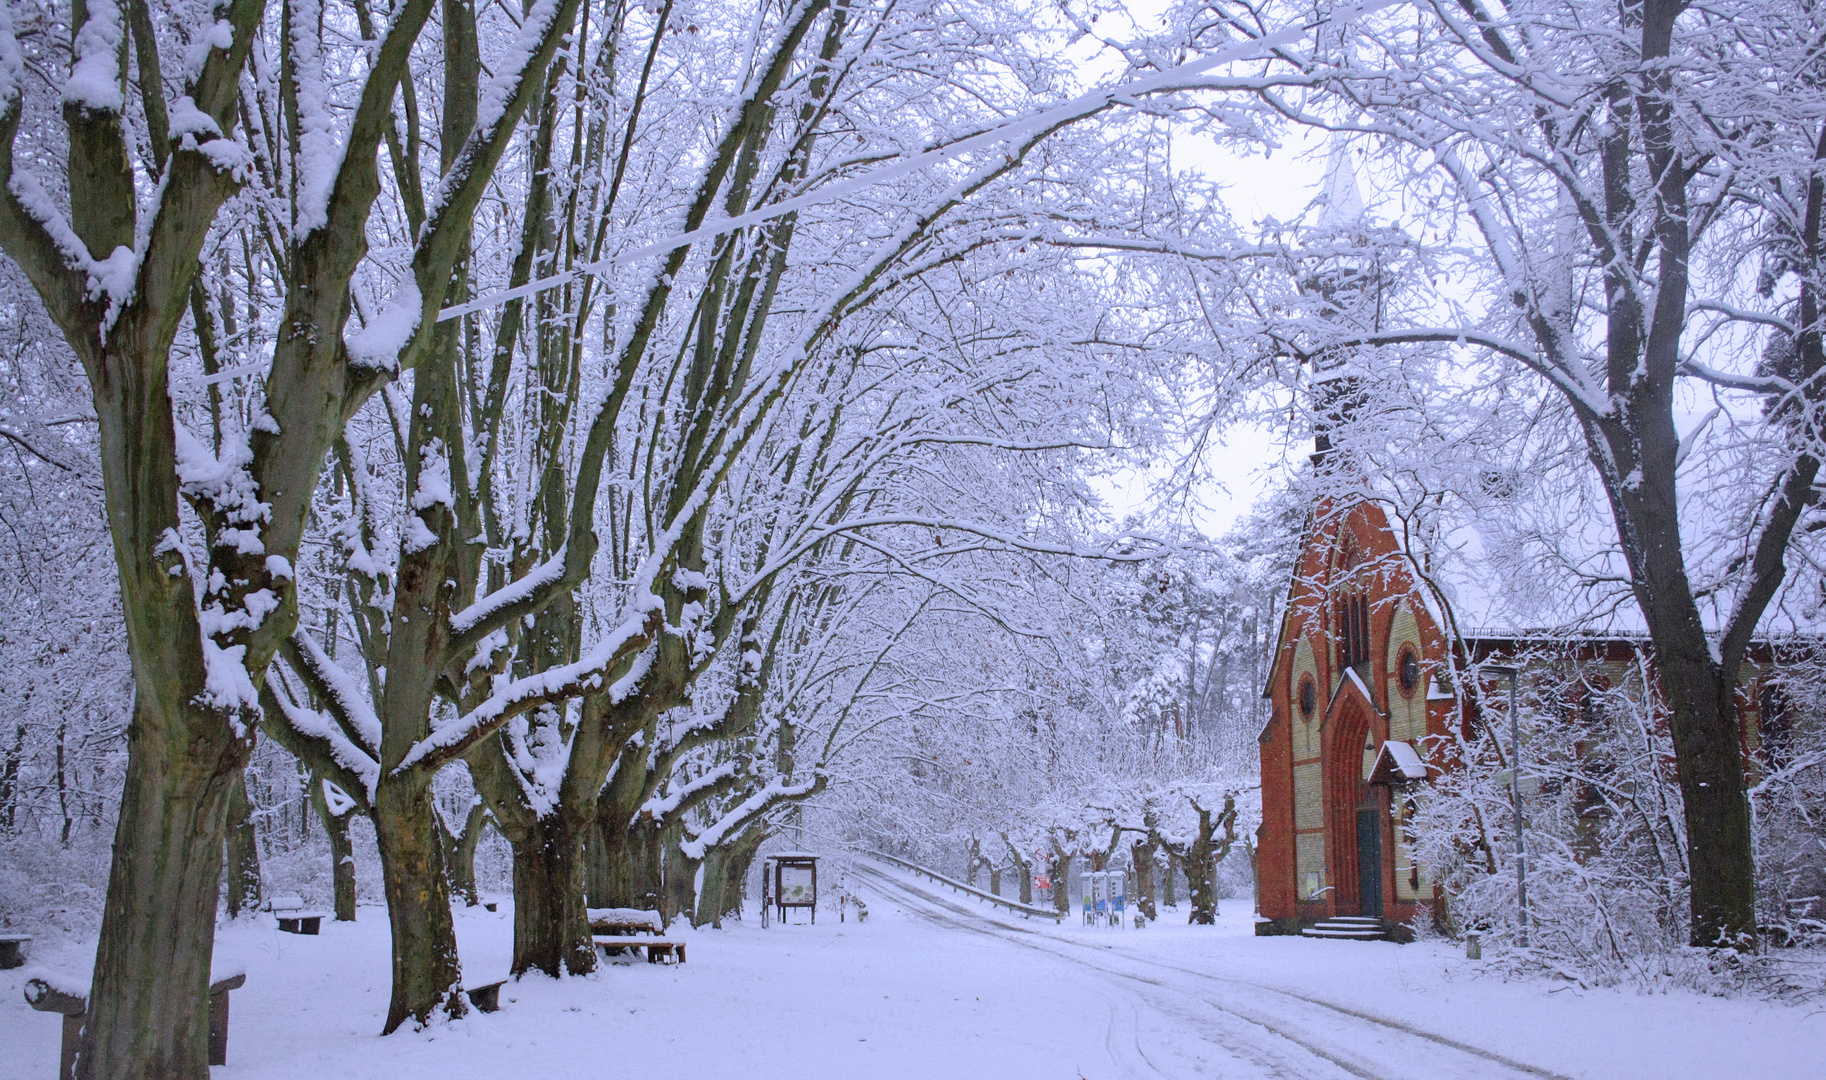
(1398,763)
(1497,591)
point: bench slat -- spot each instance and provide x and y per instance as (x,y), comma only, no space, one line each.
(654,946)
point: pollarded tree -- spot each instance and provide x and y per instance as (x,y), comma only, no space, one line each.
(710,387)
(115,262)
(681,402)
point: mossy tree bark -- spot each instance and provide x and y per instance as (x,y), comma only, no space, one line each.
(1202,856)
(189,734)
(1022,867)
(342,850)
(1061,874)
(460,852)
(427,977)
(725,876)
(243,852)
(1141,856)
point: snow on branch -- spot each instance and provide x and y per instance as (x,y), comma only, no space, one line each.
(508,595)
(512,71)
(339,686)
(661,806)
(12,63)
(1015,130)
(515,696)
(320,152)
(378,344)
(1754,384)
(322,729)
(96,81)
(777,791)
(226,684)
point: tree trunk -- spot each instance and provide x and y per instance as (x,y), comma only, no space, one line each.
(149,1009)
(342,852)
(995,880)
(1061,880)
(551,924)
(610,871)
(1202,860)
(624,865)
(647,866)
(1199,873)
(63,782)
(1021,867)
(1172,891)
(712,896)
(736,878)
(461,854)
(1203,890)
(1255,876)
(679,877)
(622,871)
(9,779)
(725,871)
(1141,853)
(243,856)
(427,978)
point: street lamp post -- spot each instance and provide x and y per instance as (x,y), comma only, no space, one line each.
(1515,801)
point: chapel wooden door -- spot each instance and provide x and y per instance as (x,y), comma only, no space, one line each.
(1369,863)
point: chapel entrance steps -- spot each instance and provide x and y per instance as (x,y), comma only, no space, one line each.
(1349,928)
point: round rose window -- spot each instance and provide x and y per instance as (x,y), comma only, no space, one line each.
(1407,669)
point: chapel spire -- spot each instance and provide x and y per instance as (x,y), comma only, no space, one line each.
(1348,288)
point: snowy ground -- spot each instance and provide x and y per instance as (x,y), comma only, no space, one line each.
(932,987)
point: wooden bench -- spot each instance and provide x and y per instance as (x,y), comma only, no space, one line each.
(658,951)
(293,919)
(41,995)
(487,997)
(621,922)
(12,950)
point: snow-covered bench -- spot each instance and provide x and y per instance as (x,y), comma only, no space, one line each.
(672,952)
(51,991)
(12,949)
(293,918)
(622,921)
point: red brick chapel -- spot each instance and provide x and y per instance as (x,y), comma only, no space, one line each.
(1358,685)
(1361,699)
(1353,696)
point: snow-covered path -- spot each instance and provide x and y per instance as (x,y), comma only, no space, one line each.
(1205,1024)
(1294,1007)
(934,987)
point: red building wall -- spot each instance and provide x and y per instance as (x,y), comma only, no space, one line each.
(1356,597)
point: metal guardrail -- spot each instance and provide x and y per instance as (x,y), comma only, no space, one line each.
(1023,910)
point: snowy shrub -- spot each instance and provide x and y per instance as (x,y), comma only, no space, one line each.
(1789,801)
(1606,846)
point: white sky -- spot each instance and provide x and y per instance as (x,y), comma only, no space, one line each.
(1249,459)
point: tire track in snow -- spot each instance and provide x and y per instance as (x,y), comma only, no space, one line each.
(1240,1040)
(1442,1056)
(1122,1042)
